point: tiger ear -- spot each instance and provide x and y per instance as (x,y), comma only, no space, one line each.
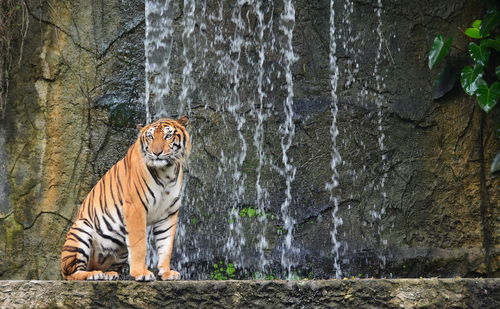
(139,126)
(184,120)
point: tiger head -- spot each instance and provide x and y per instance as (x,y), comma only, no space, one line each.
(164,142)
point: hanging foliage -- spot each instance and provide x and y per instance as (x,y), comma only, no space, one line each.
(13,21)
(482,78)
(474,79)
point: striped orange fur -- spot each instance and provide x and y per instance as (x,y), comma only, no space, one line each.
(143,189)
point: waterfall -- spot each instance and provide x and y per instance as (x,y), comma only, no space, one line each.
(233,65)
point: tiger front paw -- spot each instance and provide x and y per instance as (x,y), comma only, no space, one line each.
(143,276)
(99,275)
(170,275)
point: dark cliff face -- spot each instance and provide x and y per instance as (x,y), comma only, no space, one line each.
(79,91)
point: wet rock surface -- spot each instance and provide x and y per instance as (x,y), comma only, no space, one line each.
(403,293)
(79,91)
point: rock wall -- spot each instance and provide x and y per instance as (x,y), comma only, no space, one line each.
(58,122)
(405,293)
(79,90)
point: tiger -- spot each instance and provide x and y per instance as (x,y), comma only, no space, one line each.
(144,189)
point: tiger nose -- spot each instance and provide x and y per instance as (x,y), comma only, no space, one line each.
(158,153)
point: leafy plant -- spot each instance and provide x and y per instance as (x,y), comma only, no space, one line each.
(481,79)
(223,271)
(250,212)
(472,77)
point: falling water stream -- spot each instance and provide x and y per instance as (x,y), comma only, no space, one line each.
(261,115)
(188,43)
(379,211)
(334,131)
(248,82)
(158,51)
(287,131)
(236,239)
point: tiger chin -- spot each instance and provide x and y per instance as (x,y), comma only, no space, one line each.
(143,189)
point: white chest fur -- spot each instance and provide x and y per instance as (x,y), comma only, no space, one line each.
(167,189)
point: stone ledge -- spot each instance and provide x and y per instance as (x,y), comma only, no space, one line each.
(371,293)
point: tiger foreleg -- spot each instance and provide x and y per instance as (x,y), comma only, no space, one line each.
(164,233)
(135,221)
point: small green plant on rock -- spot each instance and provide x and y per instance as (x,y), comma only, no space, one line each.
(222,271)
(250,212)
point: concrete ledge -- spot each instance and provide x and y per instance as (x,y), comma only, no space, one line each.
(366,293)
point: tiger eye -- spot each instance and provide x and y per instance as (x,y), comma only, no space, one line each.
(168,132)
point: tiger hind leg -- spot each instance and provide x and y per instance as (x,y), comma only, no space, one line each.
(77,253)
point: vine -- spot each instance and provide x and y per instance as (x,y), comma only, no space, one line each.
(13,20)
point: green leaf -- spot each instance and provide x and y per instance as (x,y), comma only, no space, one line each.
(473,33)
(476,24)
(480,54)
(440,48)
(490,43)
(497,71)
(251,212)
(230,269)
(490,21)
(469,78)
(445,81)
(488,96)
(495,166)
